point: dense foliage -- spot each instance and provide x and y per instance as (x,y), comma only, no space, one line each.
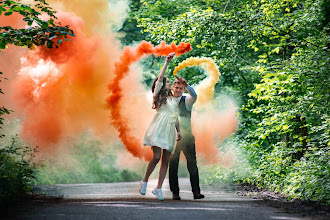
(274,58)
(17,172)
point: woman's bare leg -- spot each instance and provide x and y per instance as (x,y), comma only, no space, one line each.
(163,168)
(152,164)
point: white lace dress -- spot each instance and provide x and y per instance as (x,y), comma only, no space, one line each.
(161,131)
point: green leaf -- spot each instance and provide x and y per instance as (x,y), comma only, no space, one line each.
(49,44)
(59,41)
(53,37)
(44,25)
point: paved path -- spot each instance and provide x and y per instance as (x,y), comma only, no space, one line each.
(122,201)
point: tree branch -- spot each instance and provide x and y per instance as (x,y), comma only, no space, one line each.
(226,6)
(243,59)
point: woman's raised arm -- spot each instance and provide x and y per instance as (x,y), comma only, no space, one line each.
(162,71)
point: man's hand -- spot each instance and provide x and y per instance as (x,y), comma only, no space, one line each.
(179,136)
(183,82)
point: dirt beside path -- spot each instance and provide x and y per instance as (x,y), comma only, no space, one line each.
(315,210)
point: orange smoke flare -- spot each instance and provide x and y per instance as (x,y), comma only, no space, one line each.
(128,57)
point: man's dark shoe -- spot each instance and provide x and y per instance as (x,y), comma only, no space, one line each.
(176,196)
(198,196)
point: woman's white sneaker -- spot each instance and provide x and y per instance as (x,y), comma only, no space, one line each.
(158,193)
(143,188)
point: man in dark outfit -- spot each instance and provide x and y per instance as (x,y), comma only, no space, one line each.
(187,143)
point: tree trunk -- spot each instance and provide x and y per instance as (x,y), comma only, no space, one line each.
(301,131)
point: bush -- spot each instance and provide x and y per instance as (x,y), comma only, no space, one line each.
(17,171)
(307,178)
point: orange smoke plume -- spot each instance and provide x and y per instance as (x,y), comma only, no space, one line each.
(59,93)
(210,128)
(129,56)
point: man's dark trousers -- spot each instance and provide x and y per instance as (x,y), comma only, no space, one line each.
(187,146)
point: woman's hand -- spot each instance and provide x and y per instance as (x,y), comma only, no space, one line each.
(169,57)
(179,136)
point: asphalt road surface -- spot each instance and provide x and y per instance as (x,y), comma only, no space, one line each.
(123,201)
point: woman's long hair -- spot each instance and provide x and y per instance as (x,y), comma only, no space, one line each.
(161,96)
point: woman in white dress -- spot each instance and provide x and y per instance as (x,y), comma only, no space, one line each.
(161,134)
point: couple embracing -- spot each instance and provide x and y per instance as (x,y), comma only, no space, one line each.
(164,131)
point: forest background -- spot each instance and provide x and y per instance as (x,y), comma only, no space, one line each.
(273,56)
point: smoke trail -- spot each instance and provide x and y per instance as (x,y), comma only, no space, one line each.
(205,89)
(60,92)
(128,57)
(99,16)
(210,126)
